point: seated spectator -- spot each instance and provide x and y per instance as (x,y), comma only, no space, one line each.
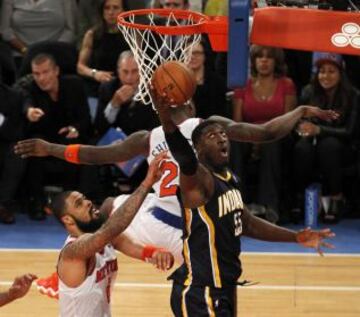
(57,110)
(7,65)
(101,47)
(323,145)
(11,166)
(87,17)
(267,94)
(210,94)
(170,4)
(26,22)
(117,108)
(88,13)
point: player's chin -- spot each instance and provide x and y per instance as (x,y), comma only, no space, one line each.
(221,161)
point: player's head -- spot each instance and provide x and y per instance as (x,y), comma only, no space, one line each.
(75,211)
(187,109)
(212,144)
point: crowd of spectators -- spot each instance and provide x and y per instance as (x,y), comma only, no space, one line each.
(73,78)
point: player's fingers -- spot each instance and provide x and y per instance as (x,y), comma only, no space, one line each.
(30,277)
(165,261)
(327,245)
(327,231)
(169,261)
(320,251)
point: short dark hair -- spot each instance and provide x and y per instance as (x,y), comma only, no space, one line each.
(42,57)
(57,205)
(198,131)
(276,53)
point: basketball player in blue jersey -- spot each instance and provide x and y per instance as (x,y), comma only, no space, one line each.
(159,222)
(214,218)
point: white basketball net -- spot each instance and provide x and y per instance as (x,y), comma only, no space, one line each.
(151,49)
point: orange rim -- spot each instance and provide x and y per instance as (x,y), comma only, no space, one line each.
(199,19)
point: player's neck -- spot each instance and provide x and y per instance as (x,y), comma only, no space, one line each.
(220,170)
(179,116)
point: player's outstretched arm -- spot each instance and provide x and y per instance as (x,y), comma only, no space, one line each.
(18,289)
(261,229)
(136,144)
(88,244)
(275,128)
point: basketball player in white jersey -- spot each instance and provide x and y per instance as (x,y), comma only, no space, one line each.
(160,222)
(87,264)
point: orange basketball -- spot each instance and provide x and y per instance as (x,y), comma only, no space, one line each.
(176,80)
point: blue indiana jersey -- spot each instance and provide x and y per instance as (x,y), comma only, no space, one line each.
(211,237)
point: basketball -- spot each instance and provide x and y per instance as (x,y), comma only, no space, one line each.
(176,80)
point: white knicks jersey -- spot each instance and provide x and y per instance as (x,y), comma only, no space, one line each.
(165,189)
(92,297)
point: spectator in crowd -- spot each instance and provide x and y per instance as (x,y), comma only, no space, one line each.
(323,145)
(87,17)
(56,109)
(210,94)
(19,288)
(117,108)
(11,168)
(267,94)
(26,22)
(7,64)
(88,13)
(101,47)
(170,4)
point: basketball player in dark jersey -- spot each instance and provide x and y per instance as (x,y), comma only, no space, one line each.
(214,218)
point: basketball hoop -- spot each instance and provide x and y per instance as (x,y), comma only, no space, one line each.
(167,35)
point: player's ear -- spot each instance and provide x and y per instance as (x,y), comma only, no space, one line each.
(67,220)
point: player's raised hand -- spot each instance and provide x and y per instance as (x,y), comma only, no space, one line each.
(32,147)
(315,239)
(162,101)
(162,259)
(326,115)
(21,285)
(155,170)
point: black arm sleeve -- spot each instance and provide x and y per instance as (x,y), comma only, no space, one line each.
(183,153)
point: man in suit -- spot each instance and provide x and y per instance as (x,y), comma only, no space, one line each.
(11,168)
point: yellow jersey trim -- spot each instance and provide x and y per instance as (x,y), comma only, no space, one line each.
(213,252)
(209,302)
(186,249)
(226,178)
(183,301)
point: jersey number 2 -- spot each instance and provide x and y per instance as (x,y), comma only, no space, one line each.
(172,172)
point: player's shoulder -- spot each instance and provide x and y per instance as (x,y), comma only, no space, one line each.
(191,122)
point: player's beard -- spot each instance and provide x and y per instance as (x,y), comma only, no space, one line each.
(93,225)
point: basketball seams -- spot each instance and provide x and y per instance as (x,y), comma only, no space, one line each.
(174,81)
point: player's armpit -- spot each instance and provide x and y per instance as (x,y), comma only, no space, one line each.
(197,189)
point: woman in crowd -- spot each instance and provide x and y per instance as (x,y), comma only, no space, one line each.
(101,47)
(267,94)
(326,145)
(27,22)
(209,98)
